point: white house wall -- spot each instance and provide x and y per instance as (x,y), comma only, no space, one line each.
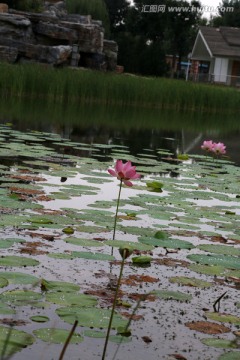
(221,70)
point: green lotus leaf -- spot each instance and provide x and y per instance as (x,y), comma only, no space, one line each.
(119,339)
(141,260)
(129,244)
(181,280)
(92,256)
(62,298)
(16,340)
(60,286)
(220,343)
(40,220)
(222,317)
(3,282)
(6,310)
(83,242)
(39,318)
(90,317)
(20,297)
(230,262)
(172,295)
(220,249)
(19,278)
(208,270)
(17,261)
(68,230)
(94,334)
(233,355)
(57,336)
(166,243)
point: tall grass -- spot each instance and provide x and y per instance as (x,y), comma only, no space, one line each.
(68,86)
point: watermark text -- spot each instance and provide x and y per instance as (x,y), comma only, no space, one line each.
(185,9)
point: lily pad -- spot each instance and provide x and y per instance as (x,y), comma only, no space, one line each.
(220,249)
(16,340)
(207,270)
(60,286)
(233,355)
(230,262)
(172,295)
(81,300)
(20,297)
(83,242)
(222,317)
(181,280)
(129,244)
(39,318)
(90,317)
(166,243)
(92,256)
(19,278)
(3,282)
(220,343)
(57,336)
(17,261)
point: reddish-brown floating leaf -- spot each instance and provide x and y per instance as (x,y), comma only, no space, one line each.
(207,327)
(132,317)
(147,339)
(43,236)
(134,280)
(219,239)
(28,178)
(142,297)
(32,248)
(28,192)
(178,356)
(13,322)
(171,262)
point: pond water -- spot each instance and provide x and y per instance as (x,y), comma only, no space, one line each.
(54,179)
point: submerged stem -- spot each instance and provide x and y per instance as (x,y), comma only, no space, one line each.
(114,305)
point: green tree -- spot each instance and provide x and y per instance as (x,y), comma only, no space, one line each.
(228,14)
(117,12)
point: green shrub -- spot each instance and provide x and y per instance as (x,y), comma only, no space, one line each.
(96,8)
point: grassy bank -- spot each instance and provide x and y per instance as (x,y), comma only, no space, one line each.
(68,86)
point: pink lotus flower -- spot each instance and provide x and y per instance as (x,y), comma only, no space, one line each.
(208,145)
(219,148)
(124,172)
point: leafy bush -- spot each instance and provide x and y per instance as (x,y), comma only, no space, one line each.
(96,8)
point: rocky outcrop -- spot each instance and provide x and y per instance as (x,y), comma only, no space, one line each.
(55,37)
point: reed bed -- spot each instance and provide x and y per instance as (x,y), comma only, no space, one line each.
(80,86)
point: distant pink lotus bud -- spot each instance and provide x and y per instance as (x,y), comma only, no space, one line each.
(207,145)
(124,172)
(219,148)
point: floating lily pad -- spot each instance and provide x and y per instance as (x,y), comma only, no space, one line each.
(3,282)
(20,297)
(207,269)
(181,280)
(60,286)
(57,336)
(129,244)
(16,340)
(233,355)
(92,256)
(166,243)
(94,333)
(83,242)
(172,295)
(6,310)
(220,343)
(222,317)
(118,339)
(230,262)
(207,327)
(19,278)
(39,318)
(141,260)
(17,261)
(90,317)
(81,300)
(220,249)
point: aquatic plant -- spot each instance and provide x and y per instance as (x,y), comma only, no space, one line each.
(124,172)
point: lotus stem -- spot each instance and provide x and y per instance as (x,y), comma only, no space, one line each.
(118,200)
(114,302)
(68,340)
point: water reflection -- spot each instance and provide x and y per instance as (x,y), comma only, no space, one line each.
(138,129)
